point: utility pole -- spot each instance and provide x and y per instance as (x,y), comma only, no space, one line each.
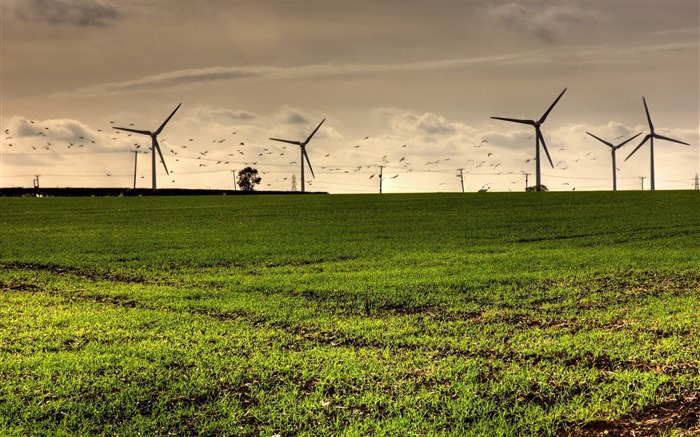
(381,177)
(697,182)
(642,178)
(36,181)
(294,182)
(136,159)
(233,172)
(526,179)
(461,177)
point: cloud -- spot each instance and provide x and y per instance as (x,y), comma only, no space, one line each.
(295,117)
(686,32)
(191,77)
(188,77)
(424,148)
(205,115)
(176,79)
(71,12)
(425,124)
(547,23)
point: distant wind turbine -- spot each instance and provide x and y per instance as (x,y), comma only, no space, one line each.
(613,149)
(304,155)
(650,136)
(538,138)
(154,143)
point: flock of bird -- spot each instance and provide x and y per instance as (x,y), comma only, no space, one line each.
(242,152)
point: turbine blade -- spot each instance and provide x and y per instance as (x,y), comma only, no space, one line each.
(651,125)
(314,132)
(296,143)
(640,145)
(544,116)
(601,140)
(627,141)
(544,146)
(142,132)
(515,120)
(160,129)
(661,137)
(157,147)
(306,155)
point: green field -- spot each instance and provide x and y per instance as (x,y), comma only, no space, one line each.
(433,314)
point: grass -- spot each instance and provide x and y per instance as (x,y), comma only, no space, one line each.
(494,314)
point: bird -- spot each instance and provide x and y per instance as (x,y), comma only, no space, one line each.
(372,176)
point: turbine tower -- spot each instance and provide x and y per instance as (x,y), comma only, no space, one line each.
(650,136)
(154,144)
(538,139)
(304,155)
(613,149)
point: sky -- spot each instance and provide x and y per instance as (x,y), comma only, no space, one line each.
(406,87)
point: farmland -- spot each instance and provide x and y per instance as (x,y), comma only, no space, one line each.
(478,314)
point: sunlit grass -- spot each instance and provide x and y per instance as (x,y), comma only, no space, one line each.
(508,314)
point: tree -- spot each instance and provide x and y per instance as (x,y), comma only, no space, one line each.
(248,178)
(534,188)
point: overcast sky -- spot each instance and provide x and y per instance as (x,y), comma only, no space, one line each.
(407,84)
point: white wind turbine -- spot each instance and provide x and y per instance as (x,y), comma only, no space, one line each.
(154,144)
(650,136)
(613,149)
(538,139)
(304,155)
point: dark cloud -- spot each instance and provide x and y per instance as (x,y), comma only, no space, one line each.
(294,117)
(547,22)
(427,124)
(71,12)
(205,115)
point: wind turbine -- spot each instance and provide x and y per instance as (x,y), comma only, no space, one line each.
(538,138)
(613,150)
(650,136)
(154,144)
(304,155)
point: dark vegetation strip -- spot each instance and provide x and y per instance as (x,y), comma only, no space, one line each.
(681,413)
(637,234)
(84,273)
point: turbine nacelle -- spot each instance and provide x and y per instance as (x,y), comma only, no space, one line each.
(612,147)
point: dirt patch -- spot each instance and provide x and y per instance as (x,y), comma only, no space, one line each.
(681,415)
